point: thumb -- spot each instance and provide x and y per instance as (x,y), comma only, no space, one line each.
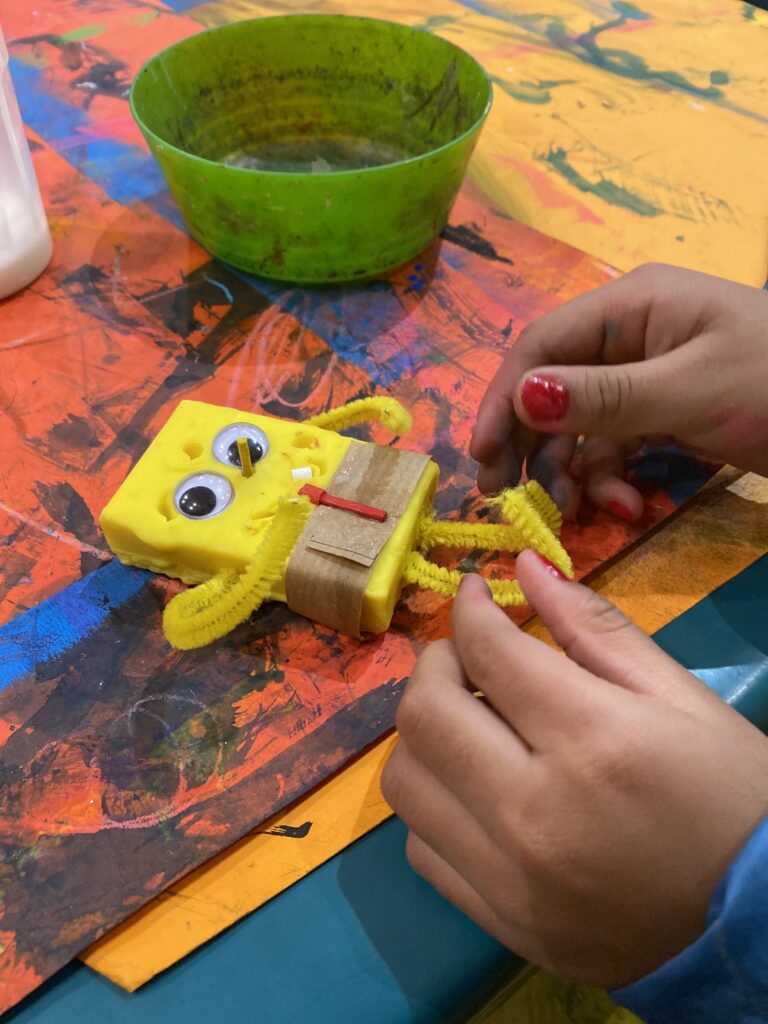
(617,402)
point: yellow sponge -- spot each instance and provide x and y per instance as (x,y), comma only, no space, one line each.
(187,510)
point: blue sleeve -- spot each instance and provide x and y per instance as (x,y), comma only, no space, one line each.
(723,977)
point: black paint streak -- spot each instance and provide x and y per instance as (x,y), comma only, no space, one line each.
(288,831)
(196,362)
(68,509)
(467,238)
(73,432)
(103,79)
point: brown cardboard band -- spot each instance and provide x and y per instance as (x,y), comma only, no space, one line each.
(332,562)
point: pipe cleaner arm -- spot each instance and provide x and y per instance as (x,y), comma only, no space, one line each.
(377,408)
(209,611)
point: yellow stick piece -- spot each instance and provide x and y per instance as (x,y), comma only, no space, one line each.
(245,456)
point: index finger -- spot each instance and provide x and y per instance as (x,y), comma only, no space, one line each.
(460,739)
(541,693)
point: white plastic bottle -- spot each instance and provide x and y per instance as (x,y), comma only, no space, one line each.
(25,240)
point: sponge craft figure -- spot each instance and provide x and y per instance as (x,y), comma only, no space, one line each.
(251,508)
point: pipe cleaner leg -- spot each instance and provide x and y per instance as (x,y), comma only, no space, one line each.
(537,521)
(532,521)
(486,536)
(207,612)
(428,576)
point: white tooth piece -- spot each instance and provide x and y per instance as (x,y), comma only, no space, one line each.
(302,473)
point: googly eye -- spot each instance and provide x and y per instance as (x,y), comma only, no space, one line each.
(203,495)
(225,443)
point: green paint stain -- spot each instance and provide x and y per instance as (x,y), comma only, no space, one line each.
(627,10)
(623,63)
(748,12)
(529,92)
(719,77)
(84,32)
(145,17)
(605,189)
(437,21)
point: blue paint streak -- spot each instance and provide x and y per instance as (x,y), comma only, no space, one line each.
(126,173)
(627,10)
(182,5)
(50,629)
(372,311)
(672,470)
(222,287)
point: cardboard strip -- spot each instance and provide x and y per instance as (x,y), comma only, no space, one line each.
(330,567)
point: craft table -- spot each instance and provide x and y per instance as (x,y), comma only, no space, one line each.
(362,938)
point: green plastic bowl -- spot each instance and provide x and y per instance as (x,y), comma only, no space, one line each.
(313,148)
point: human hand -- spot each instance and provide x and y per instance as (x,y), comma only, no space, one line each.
(583,812)
(659,355)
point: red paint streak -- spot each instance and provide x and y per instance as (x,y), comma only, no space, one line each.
(547,192)
(17,973)
(7,729)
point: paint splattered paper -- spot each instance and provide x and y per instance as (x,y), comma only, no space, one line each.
(126,764)
(123,764)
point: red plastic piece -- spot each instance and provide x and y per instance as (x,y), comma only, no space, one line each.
(320,497)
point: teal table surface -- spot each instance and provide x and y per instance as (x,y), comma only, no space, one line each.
(364,939)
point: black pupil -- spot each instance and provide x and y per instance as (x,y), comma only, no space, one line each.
(253,447)
(197,501)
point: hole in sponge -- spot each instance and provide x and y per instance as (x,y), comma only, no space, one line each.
(304,441)
(193,449)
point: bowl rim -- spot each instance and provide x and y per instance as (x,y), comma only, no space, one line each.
(319,175)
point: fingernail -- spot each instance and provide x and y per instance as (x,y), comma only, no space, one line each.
(551,567)
(545,397)
(620,511)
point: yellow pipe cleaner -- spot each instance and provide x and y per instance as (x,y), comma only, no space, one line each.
(386,410)
(209,611)
(533,521)
(437,578)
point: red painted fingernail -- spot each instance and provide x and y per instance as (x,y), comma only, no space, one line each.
(551,567)
(545,397)
(620,511)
